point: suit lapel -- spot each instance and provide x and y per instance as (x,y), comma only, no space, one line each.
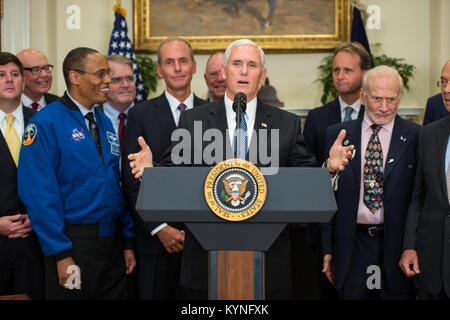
(398,145)
(354,137)
(263,121)
(164,114)
(334,116)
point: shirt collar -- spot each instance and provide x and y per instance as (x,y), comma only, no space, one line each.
(84,111)
(174,102)
(18,114)
(110,110)
(367,123)
(356,106)
(250,112)
(27,101)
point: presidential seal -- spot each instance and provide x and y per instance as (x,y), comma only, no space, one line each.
(235,190)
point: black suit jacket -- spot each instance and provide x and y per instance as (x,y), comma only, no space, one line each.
(435,109)
(49,98)
(153,120)
(316,124)
(10,203)
(338,236)
(428,223)
(292,152)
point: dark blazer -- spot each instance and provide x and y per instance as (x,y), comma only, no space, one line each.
(11,204)
(153,120)
(316,124)
(435,109)
(292,152)
(428,222)
(49,98)
(338,236)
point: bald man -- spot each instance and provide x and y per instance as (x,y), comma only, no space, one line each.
(213,76)
(38,79)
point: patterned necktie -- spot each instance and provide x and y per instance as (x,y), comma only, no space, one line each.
(35,106)
(94,132)
(348,114)
(121,128)
(373,172)
(181,107)
(243,143)
(12,138)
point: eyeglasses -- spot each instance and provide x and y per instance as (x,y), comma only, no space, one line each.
(442,83)
(99,74)
(127,79)
(379,100)
(37,69)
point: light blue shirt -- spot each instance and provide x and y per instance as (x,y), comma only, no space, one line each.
(84,111)
(113,115)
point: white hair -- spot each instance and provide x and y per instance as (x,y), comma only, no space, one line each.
(382,70)
(242,42)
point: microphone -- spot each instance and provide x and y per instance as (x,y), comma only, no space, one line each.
(240,101)
(239,106)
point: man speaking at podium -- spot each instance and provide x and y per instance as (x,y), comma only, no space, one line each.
(244,69)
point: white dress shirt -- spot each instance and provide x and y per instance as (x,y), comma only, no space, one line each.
(356,107)
(250,115)
(18,124)
(174,103)
(27,102)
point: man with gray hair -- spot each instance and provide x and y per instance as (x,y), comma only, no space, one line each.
(244,71)
(215,81)
(426,252)
(363,242)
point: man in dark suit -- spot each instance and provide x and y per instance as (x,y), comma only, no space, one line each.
(159,246)
(244,71)
(363,242)
(426,254)
(350,62)
(435,109)
(38,79)
(21,259)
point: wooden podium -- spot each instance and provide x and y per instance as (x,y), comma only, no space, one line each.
(236,262)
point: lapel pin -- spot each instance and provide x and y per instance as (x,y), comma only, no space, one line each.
(346,142)
(264,124)
(391,160)
(410,166)
(403,138)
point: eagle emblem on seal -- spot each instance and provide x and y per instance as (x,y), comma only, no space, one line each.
(235,186)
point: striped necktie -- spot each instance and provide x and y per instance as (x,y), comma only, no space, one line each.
(12,138)
(243,141)
(348,114)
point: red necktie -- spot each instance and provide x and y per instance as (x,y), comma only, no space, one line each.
(35,106)
(121,129)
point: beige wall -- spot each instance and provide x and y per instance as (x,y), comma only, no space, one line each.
(416,30)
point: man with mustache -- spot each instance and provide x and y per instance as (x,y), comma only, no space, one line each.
(68,179)
(159,246)
(364,237)
(426,252)
(38,79)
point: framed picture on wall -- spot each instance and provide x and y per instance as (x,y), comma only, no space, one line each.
(211,25)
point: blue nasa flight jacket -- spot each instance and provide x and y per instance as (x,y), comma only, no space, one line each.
(62,179)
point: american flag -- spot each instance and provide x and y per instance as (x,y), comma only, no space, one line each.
(121,44)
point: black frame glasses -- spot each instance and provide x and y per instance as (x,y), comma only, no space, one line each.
(48,68)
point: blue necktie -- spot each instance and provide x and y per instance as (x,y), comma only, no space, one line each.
(348,114)
(243,143)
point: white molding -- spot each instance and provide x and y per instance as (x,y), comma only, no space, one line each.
(402,111)
(16,25)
